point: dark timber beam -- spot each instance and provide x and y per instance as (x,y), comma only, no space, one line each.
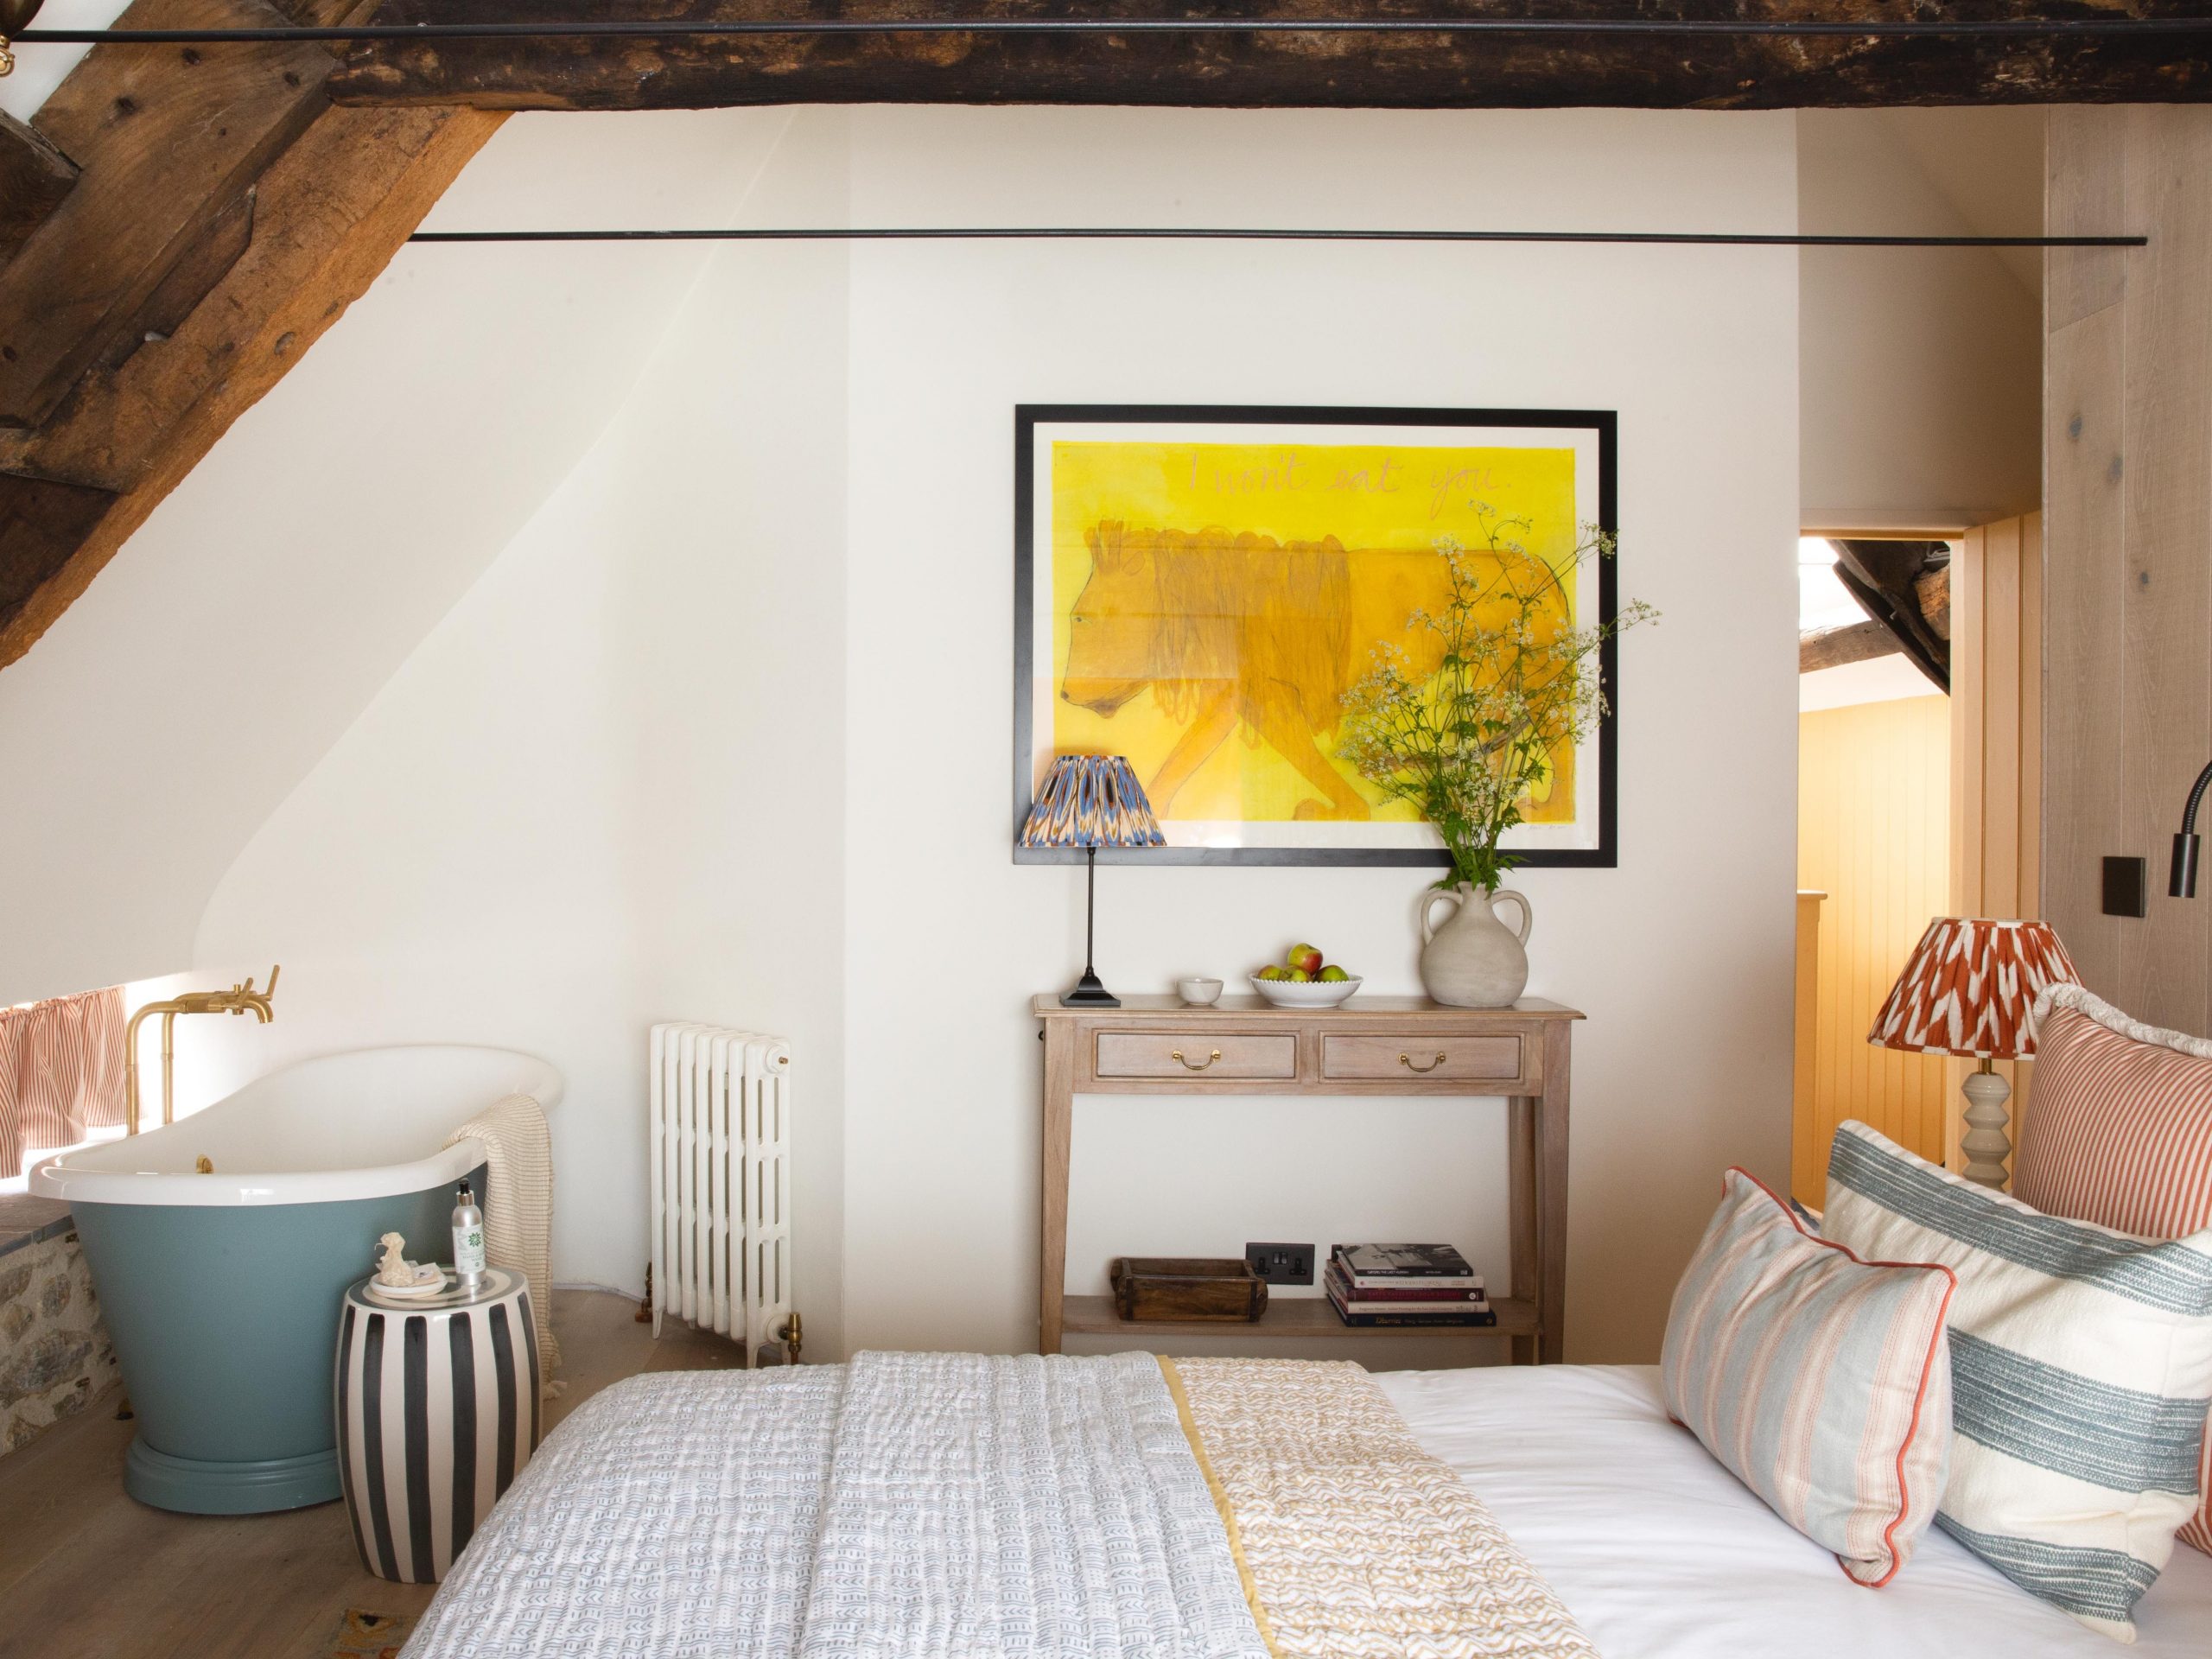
(1411,70)
(225,216)
(170,141)
(34,178)
(1833,647)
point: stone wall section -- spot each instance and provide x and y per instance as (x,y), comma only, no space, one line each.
(56,1358)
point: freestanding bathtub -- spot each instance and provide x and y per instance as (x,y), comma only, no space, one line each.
(221,1291)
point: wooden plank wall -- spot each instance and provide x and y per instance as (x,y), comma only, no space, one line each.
(2127,541)
(1997,625)
(1874,833)
(1807,1162)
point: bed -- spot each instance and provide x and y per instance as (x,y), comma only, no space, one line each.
(821,1513)
(1661,1554)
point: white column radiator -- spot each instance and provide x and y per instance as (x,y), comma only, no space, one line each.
(721,1232)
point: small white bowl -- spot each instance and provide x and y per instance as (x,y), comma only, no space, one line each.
(1198,992)
(1307,993)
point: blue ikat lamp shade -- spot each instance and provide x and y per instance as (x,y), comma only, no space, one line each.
(1091,801)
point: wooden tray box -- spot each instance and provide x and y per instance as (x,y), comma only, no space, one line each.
(1187,1287)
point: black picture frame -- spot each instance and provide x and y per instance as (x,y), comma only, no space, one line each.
(1604,423)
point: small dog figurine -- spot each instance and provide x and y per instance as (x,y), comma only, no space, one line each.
(392,1267)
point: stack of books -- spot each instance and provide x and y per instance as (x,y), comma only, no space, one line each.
(1405,1284)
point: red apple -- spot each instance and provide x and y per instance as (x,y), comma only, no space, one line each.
(1303,956)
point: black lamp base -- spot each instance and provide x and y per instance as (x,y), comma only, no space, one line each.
(1089,994)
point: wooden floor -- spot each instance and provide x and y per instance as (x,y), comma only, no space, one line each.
(86,1570)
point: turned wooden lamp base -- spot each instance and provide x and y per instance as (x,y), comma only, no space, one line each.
(1985,1144)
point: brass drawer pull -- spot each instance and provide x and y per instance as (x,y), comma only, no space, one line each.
(1177,1054)
(1407,1061)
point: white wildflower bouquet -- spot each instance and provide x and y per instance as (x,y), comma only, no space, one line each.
(1462,720)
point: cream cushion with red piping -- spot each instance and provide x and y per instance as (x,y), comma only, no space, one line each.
(1821,1381)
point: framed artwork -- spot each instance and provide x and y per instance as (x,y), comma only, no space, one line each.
(1195,589)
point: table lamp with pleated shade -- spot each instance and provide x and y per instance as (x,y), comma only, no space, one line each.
(1091,801)
(1967,989)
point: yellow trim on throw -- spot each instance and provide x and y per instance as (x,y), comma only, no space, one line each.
(1174,1380)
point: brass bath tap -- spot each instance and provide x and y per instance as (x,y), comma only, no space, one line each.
(239,999)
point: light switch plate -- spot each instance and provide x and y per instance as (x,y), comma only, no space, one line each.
(2126,886)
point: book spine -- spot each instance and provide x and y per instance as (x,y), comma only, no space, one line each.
(1414,1286)
(1399,1294)
(1443,1317)
(1405,1276)
(1470,1320)
(1336,1278)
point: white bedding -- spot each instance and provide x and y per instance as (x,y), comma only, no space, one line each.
(1661,1554)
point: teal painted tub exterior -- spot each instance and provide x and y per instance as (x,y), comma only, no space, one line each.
(222,1290)
(225,1321)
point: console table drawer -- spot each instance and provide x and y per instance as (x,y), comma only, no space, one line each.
(1453,1060)
(1178,1054)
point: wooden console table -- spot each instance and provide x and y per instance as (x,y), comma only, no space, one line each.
(1372,1046)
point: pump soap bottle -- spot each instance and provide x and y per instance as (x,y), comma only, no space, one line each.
(467,1240)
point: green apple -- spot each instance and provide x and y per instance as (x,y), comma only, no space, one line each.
(1298,976)
(1272,972)
(1333,975)
(1304,957)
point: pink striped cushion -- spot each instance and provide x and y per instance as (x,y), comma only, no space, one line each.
(1821,1381)
(2119,1132)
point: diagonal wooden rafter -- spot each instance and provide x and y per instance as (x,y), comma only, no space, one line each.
(222,217)
(34,178)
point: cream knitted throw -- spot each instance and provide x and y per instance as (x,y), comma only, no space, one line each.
(518,1204)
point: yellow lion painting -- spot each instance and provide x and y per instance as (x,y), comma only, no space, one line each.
(1235,630)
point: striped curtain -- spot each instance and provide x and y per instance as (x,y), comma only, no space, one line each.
(60,1072)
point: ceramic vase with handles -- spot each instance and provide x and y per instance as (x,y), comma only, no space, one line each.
(1469,959)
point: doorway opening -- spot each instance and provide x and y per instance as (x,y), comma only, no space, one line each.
(1920,747)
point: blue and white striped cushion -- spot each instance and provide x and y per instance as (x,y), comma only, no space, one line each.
(2082,1370)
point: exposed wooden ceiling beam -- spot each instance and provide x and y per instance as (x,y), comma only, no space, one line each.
(169,141)
(34,178)
(1832,647)
(172,333)
(1248,70)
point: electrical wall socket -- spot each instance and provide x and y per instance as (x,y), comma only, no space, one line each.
(1282,1264)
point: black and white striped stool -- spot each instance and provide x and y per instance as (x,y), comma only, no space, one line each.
(437,1412)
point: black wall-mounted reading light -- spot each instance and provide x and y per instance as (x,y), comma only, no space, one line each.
(2181,882)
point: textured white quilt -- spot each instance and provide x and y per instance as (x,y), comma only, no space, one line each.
(907,1504)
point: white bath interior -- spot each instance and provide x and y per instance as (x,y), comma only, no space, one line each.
(366,1124)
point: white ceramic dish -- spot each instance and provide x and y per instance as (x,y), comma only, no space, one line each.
(430,1281)
(1307,993)
(1199,991)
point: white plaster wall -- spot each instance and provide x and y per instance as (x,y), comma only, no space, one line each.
(1921,368)
(1681,957)
(606,790)
(780,575)
(230,641)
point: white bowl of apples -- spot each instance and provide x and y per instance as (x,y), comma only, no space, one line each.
(1304,980)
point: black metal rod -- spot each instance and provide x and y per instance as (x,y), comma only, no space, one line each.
(1149,233)
(677,28)
(2180,877)
(1090,910)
